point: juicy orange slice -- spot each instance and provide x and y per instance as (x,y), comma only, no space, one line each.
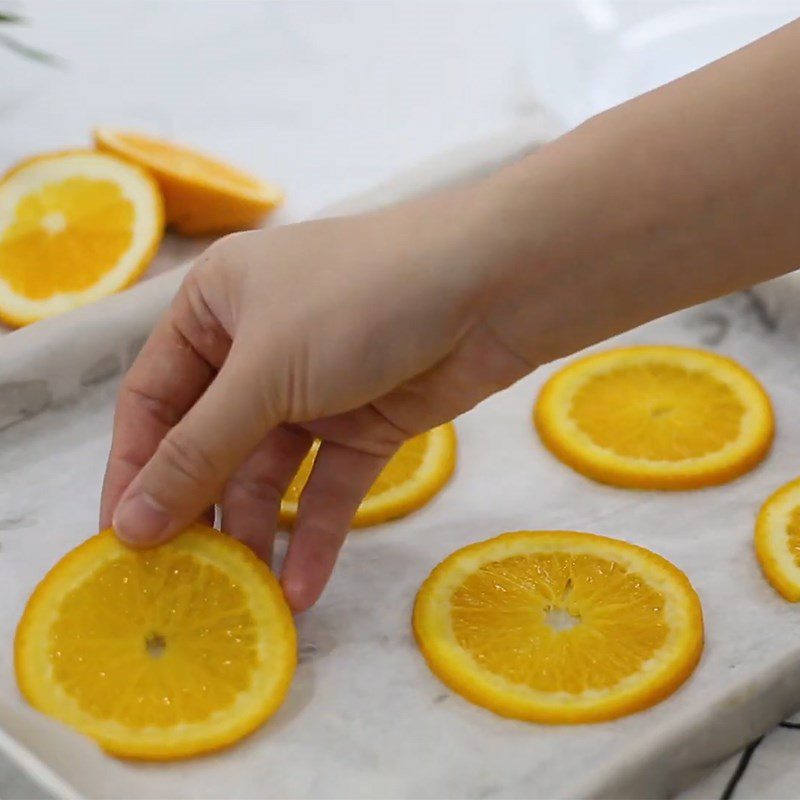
(559,627)
(158,654)
(74,227)
(777,540)
(414,475)
(656,417)
(201,194)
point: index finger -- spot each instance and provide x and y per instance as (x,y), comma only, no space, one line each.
(175,366)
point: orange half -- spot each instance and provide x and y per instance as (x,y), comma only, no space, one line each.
(202,195)
(74,227)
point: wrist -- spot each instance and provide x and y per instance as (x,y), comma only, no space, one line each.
(526,275)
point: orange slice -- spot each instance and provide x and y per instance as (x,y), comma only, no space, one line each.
(74,227)
(414,475)
(777,540)
(201,195)
(656,417)
(158,654)
(559,627)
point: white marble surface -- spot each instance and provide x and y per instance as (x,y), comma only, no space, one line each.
(262,83)
(364,717)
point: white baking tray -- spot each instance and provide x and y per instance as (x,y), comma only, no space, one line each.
(364,717)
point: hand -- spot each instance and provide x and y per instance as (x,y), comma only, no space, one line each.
(360,331)
(367,330)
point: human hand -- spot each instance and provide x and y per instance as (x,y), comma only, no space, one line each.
(360,331)
(364,331)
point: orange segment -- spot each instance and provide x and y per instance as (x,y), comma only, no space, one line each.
(656,417)
(777,540)
(74,227)
(414,475)
(161,653)
(201,194)
(558,626)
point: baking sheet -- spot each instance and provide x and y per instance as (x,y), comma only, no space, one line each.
(364,717)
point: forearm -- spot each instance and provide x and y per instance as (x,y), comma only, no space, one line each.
(687,193)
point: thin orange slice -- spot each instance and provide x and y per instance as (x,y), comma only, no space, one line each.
(202,195)
(415,474)
(158,654)
(777,540)
(656,417)
(558,626)
(74,227)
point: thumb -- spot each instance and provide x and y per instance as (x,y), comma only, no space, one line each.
(196,457)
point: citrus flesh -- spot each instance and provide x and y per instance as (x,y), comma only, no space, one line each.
(559,626)
(74,227)
(777,540)
(158,654)
(656,417)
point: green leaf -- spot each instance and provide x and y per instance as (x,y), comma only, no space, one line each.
(14,19)
(26,51)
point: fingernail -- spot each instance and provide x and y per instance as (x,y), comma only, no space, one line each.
(140,520)
(296,593)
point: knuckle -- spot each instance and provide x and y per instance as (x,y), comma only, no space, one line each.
(386,430)
(161,410)
(202,314)
(228,253)
(324,505)
(216,254)
(200,328)
(260,490)
(187,460)
(324,536)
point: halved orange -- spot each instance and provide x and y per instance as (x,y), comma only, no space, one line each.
(202,195)
(158,654)
(559,626)
(74,227)
(656,417)
(777,540)
(414,475)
